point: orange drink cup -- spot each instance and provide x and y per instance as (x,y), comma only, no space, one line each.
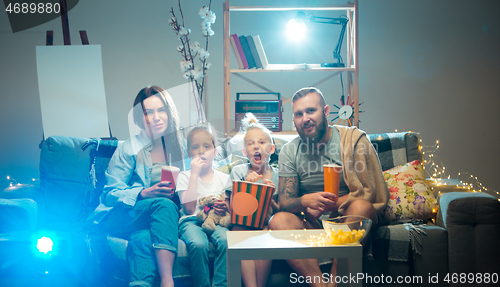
(170,173)
(331,173)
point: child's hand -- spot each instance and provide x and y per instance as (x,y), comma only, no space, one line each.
(253,176)
(220,207)
(196,165)
(269,182)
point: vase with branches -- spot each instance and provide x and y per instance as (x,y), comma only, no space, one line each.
(194,65)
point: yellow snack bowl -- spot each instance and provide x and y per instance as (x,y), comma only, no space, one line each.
(347,230)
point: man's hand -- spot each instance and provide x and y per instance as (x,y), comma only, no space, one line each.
(312,214)
(161,189)
(220,207)
(320,201)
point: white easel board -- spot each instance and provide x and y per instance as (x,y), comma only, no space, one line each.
(71,86)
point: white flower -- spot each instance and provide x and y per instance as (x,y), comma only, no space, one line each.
(197,73)
(188,75)
(208,66)
(204,54)
(210,17)
(207,31)
(195,47)
(184,32)
(186,65)
(205,26)
(180,48)
(203,11)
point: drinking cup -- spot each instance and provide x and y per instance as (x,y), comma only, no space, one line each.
(331,173)
(170,173)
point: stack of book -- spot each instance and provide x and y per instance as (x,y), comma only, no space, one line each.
(248,52)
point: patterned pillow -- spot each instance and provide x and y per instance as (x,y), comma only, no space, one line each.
(410,196)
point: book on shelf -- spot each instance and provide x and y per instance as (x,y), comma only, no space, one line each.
(247,52)
(253,49)
(240,51)
(236,54)
(260,51)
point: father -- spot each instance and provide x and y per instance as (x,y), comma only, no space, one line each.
(302,199)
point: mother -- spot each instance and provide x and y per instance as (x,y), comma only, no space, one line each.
(135,204)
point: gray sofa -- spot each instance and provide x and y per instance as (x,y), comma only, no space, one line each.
(463,240)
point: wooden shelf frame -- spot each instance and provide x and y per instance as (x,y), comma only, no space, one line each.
(352,60)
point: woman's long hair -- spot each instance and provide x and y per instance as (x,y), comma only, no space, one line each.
(171,137)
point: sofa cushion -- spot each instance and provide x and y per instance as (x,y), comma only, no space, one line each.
(397,251)
(410,196)
(64,173)
(396,148)
(472,221)
(18,214)
(66,179)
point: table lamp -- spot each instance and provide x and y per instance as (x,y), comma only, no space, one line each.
(296,29)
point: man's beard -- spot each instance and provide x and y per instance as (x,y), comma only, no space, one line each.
(315,137)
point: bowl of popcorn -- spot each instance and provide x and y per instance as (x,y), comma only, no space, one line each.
(346,230)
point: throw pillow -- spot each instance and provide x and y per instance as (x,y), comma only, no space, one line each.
(410,196)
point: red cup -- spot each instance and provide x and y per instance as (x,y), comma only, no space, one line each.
(170,173)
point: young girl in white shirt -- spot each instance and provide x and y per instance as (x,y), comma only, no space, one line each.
(200,181)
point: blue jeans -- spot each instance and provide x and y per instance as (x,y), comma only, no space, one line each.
(150,224)
(197,242)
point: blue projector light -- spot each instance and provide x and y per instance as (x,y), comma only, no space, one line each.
(44,245)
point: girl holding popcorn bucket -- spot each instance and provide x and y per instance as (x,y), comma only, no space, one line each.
(258,147)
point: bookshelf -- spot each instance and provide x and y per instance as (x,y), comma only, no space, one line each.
(351,61)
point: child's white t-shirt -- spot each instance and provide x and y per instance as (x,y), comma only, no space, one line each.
(219,184)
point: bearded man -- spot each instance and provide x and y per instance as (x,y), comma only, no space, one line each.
(302,199)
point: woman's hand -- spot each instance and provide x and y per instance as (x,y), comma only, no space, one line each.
(161,189)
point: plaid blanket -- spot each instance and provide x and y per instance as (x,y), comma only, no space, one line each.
(396,242)
(396,148)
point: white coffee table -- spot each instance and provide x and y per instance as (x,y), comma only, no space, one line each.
(289,244)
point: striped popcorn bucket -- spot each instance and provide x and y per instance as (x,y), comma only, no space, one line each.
(250,202)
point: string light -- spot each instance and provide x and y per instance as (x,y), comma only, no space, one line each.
(436,171)
(434,168)
(12,181)
(13,184)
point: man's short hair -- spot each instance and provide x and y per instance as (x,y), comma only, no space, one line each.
(307,90)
